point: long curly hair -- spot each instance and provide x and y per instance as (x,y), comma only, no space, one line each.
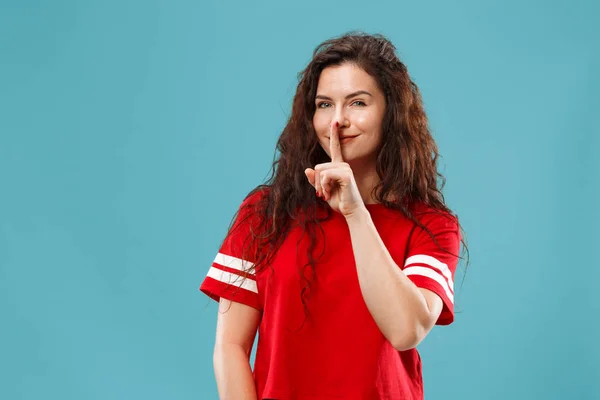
(406,162)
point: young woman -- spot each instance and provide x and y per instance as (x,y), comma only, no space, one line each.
(344,261)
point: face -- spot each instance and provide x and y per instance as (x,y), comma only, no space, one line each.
(348,95)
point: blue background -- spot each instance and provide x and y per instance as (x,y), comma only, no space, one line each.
(130,131)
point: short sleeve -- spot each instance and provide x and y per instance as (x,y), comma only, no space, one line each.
(430,265)
(230,276)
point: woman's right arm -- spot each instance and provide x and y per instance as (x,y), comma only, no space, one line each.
(236,329)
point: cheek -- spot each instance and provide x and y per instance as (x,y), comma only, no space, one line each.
(320,124)
(374,118)
(370,124)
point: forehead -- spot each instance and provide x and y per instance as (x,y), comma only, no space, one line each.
(345,78)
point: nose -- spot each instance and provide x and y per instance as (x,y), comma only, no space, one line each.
(340,118)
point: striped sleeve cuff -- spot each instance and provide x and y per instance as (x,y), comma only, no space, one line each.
(229,278)
(429,273)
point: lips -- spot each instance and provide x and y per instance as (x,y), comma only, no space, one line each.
(345,138)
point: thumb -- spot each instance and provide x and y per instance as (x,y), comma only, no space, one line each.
(310,174)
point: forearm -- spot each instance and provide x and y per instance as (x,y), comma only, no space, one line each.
(233,373)
(395,302)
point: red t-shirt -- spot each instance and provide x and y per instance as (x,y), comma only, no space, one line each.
(339,352)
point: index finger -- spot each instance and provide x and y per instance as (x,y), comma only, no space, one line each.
(335,148)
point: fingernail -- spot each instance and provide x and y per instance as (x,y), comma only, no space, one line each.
(337,124)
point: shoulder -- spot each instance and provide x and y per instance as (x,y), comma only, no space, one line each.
(254,201)
(433,217)
(256,195)
(247,221)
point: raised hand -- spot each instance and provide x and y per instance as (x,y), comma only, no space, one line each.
(334,181)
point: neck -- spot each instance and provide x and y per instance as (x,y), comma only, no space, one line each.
(366,179)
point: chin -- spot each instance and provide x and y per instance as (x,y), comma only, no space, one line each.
(359,159)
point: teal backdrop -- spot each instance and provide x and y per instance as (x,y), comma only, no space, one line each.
(130,131)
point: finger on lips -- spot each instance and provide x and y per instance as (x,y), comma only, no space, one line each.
(321,181)
(335,148)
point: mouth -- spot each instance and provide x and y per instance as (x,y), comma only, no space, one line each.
(346,139)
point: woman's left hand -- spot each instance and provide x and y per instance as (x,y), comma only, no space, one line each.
(334,181)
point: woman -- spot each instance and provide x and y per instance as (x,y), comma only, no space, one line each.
(344,261)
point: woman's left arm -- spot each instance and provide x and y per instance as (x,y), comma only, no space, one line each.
(403,312)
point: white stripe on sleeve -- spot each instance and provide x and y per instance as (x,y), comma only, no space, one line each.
(432,262)
(232,279)
(233,262)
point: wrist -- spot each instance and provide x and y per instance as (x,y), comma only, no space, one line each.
(358,216)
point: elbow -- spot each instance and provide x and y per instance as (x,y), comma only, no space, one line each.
(406,342)
(410,338)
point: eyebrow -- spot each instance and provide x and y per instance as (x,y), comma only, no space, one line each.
(320,96)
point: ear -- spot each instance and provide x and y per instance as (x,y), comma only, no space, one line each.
(310,174)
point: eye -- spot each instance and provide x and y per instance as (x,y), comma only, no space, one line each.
(323,104)
(359,103)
